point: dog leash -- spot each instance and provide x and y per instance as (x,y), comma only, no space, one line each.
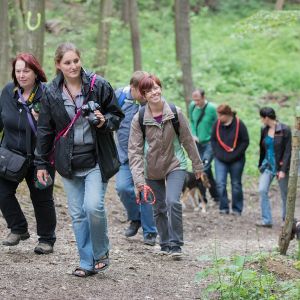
(146,196)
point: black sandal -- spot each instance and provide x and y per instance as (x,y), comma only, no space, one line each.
(104,260)
(80,272)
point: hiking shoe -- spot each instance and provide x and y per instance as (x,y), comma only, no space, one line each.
(14,238)
(261,224)
(164,250)
(223,212)
(133,228)
(236,213)
(176,252)
(43,248)
(150,239)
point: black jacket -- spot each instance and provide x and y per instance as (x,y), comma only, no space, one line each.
(282,146)
(14,121)
(227,135)
(54,118)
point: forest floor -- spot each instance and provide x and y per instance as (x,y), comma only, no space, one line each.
(137,271)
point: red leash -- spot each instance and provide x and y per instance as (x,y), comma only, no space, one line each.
(146,196)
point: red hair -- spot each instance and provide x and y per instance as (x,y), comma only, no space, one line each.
(147,82)
(30,62)
(225,109)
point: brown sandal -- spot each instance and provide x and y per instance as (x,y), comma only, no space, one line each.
(80,272)
(104,260)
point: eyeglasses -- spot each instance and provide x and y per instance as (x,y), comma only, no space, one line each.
(153,90)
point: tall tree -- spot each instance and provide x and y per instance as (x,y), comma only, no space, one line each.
(135,35)
(106,8)
(183,46)
(34,28)
(279,4)
(4,44)
(125,11)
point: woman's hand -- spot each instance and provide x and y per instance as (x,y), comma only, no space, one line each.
(140,188)
(100,117)
(280,175)
(42,176)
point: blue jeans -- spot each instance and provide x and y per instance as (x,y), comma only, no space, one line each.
(265,181)
(135,212)
(235,170)
(86,207)
(206,154)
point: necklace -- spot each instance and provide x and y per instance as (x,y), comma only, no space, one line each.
(71,96)
(223,145)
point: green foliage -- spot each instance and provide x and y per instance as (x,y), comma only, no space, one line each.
(231,60)
(236,278)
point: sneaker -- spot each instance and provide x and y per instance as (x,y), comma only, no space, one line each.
(223,212)
(14,238)
(43,248)
(236,213)
(261,224)
(150,239)
(176,252)
(133,228)
(164,250)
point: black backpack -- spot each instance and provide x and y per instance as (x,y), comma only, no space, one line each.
(175,121)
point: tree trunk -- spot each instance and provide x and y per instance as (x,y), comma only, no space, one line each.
(106,8)
(16,27)
(284,239)
(279,4)
(183,47)
(135,35)
(34,28)
(4,44)
(125,11)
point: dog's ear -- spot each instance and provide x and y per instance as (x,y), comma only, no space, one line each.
(205,180)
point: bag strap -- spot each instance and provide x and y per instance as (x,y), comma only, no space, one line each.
(122,98)
(29,115)
(201,117)
(175,121)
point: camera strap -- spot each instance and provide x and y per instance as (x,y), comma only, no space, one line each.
(29,115)
(65,131)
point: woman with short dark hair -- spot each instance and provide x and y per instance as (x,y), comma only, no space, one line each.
(274,161)
(25,93)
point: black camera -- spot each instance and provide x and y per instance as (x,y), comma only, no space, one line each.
(87,110)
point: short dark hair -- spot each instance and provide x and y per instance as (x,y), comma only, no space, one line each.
(267,112)
(136,77)
(200,91)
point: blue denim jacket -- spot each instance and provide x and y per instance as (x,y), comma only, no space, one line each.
(129,108)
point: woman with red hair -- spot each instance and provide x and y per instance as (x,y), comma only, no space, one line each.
(229,143)
(19,111)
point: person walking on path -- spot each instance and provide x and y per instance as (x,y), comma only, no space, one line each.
(203,115)
(130,100)
(78,114)
(157,160)
(229,141)
(274,161)
(19,105)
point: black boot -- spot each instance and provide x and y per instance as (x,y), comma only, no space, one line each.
(133,228)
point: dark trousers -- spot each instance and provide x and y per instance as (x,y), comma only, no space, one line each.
(43,205)
(207,156)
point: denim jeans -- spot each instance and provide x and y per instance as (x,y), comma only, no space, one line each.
(86,207)
(235,170)
(43,204)
(206,154)
(135,212)
(265,181)
(168,208)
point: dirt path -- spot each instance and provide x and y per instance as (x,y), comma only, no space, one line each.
(137,271)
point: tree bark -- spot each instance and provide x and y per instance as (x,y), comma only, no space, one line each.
(279,4)
(135,35)
(106,8)
(34,28)
(4,44)
(183,47)
(125,12)
(284,239)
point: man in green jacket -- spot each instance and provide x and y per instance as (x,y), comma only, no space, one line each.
(202,117)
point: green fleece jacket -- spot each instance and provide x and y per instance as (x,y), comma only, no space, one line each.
(203,130)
